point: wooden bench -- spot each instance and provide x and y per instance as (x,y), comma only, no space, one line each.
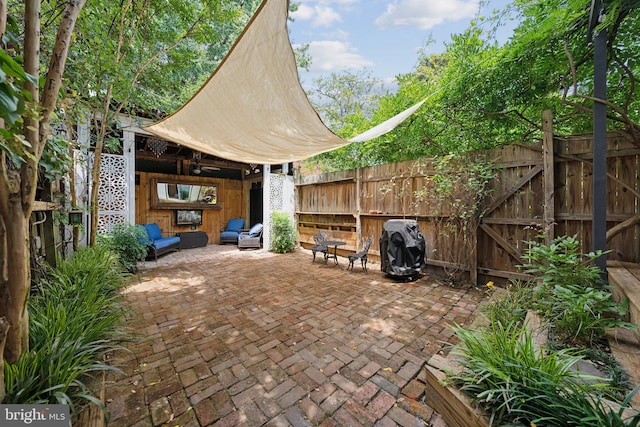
(624,278)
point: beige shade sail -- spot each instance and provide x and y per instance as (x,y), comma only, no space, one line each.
(253,109)
(388,125)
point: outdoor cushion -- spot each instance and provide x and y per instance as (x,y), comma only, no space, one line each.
(235,224)
(256,230)
(143,235)
(230,233)
(153,230)
(167,241)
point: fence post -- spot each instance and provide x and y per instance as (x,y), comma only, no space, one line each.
(549,179)
(473,268)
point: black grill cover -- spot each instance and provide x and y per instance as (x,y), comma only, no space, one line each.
(402,249)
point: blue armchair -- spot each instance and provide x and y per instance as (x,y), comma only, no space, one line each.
(230,233)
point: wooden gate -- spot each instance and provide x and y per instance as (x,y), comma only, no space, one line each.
(546,192)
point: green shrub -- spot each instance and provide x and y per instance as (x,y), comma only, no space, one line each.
(518,384)
(128,242)
(570,294)
(561,262)
(580,314)
(283,238)
(512,306)
(75,319)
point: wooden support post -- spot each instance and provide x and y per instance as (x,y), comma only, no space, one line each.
(599,202)
(549,179)
(359,236)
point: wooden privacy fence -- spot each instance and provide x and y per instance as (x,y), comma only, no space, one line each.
(540,189)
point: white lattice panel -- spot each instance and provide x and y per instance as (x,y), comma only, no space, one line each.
(106,222)
(113,192)
(275,193)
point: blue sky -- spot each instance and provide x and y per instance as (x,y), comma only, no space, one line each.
(382,36)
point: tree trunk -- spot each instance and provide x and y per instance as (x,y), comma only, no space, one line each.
(613,231)
(20,194)
(13,304)
(72,188)
(4,328)
(18,188)
(95,171)
(95,186)
(4,324)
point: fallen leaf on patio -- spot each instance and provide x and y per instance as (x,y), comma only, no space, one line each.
(354,348)
(388,369)
(154,383)
(133,391)
(144,365)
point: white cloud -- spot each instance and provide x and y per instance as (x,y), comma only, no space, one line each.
(426,14)
(328,56)
(304,13)
(339,3)
(325,16)
(319,16)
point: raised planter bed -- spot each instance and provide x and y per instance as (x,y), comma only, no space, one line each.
(456,408)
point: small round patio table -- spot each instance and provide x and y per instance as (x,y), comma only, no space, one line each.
(334,255)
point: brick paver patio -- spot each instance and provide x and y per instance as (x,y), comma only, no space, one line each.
(250,338)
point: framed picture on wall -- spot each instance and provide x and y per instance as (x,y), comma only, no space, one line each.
(189,217)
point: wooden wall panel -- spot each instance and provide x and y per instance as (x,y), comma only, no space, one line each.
(213,220)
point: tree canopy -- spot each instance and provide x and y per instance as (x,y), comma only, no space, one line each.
(482,94)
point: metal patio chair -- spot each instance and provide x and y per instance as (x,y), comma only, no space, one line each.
(362,255)
(319,239)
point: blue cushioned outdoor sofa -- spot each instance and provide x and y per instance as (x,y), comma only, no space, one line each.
(158,245)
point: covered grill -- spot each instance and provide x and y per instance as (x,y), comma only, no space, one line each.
(402,249)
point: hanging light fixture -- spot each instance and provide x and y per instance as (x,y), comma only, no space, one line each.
(196,168)
(157,146)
